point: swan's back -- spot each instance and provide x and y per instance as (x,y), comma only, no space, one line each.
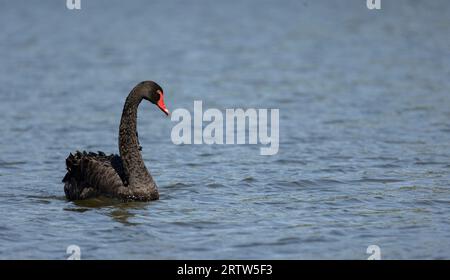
(91,174)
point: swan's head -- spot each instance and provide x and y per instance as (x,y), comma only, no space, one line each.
(152,92)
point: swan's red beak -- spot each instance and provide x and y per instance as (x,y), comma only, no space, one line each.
(161,105)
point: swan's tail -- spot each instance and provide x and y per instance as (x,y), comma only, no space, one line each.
(75,164)
(76,179)
(90,173)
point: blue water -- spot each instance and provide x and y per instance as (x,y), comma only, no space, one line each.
(364,128)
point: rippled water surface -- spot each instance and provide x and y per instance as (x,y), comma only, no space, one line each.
(364,127)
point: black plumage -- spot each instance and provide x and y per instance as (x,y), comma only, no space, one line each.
(125,177)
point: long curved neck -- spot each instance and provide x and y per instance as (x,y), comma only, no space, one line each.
(134,167)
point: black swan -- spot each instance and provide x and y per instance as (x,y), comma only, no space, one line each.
(124,177)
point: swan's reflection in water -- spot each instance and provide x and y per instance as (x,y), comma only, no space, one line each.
(119,211)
